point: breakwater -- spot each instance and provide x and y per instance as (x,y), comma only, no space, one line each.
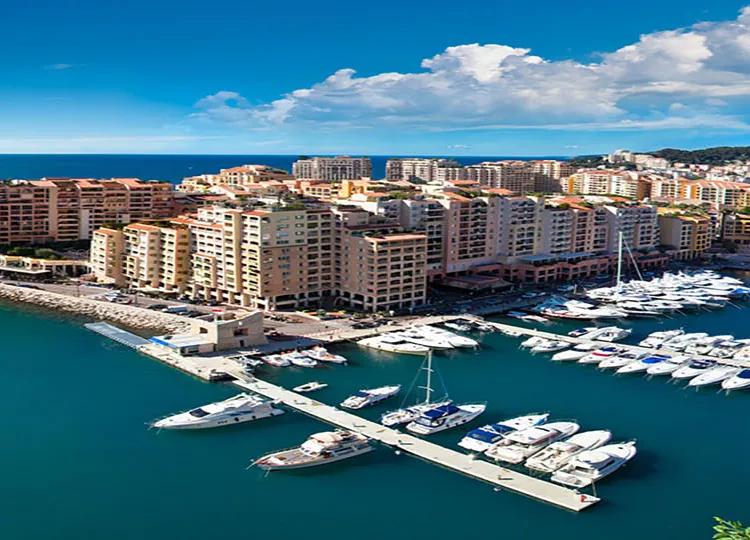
(130,316)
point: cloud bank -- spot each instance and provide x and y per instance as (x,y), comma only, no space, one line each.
(684,78)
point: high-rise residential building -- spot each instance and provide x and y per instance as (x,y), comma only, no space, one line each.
(604,182)
(735,229)
(242,176)
(638,224)
(332,169)
(425,169)
(685,236)
(65,209)
(515,176)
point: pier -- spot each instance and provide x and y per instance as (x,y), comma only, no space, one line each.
(117,334)
(499,477)
(530,332)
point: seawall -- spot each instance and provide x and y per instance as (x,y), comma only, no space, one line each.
(130,316)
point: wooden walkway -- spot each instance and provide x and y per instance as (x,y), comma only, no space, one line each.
(499,477)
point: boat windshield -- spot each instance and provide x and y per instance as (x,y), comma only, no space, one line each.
(199,413)
(744,374)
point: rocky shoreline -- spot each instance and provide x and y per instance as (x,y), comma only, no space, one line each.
(130,316)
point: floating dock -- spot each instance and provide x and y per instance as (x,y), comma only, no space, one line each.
(501,478)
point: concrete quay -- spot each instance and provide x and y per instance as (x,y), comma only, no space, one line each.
(126,315)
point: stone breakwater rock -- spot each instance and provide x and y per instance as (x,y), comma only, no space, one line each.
(131,316)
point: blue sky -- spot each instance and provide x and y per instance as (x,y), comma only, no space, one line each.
(438,77)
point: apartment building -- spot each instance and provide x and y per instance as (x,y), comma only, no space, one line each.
(519,231)
(424,169)
(686,236)
(720,194)
(735,229)
(515,176)
(383,272)
(65,209)
(426,216)
(332,169)
(603,182)
(242,176)
(638,224)
(106,256)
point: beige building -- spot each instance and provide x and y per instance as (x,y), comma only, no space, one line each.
(235,177)
(685,236)
(333,169)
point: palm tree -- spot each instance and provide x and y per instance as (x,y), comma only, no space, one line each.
(730,530)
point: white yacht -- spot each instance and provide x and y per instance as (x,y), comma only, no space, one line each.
(275,360)
(365,398)
(559,453)
(414,335)
(714,375)
(440,418)
(480,439)
(450,337)
(309,387)
(533,341)
(393,345)
(704,346)
(300,359)
(641,365)
(409,414)
(600,354)
(519,445)
(550,345)
(318,449)
(593,465)
(612,333)
(737,382)
(693,369)
(235,410)
(657,339)
(669,366)
(321,354)
(576,353)
(619,360)
(678,343)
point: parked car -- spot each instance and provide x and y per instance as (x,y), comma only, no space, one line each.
(158,307)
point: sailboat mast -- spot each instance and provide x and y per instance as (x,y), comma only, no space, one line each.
(619,259)
(428,386)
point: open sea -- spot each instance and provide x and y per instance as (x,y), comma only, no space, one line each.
(79,461)
(172,168)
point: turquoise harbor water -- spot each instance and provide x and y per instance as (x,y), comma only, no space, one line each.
(80,463)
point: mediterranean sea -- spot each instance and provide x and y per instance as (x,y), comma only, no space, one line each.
(79,461)
(172,168)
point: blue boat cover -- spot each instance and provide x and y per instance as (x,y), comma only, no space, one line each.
(653,360)
(484,434)
(744,374)
(439,412)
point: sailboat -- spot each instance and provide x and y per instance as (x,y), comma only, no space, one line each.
(405,415)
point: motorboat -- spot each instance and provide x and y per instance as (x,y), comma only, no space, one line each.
(321,354)
(669,366)
(531,342)
(704,346)
(622,359)
(592,465)
(714,375)
(420,338)
(366,398)
(457,326)
(612,334)
(440,418)
(409,414)
(678,343)
(275,360)
(309,387)
(643,364)
(581,332)
(693,369)
(600,354)
(318,449)
(480,439)
(636,309)
(743,354)
(234,410)
(393,345)
(657,339)
(576,353)
(520,315)
(550,345)
(519,445)
(739,381)
(454,339)
(559,453)
(300,359)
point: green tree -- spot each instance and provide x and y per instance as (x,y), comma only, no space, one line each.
(730,530)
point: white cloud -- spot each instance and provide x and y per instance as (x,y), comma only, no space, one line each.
(666,80)
(59,67)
